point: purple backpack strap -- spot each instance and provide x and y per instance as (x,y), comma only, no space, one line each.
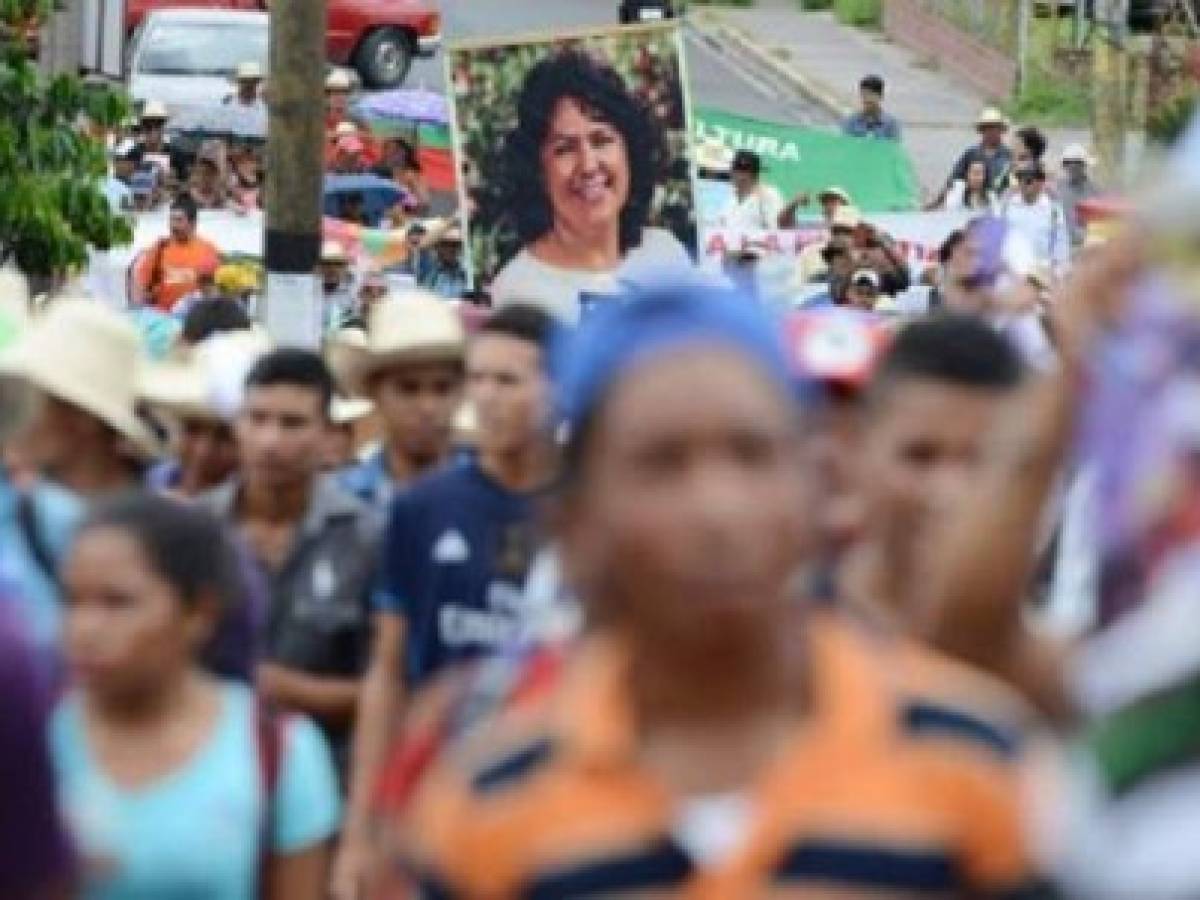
(268,740)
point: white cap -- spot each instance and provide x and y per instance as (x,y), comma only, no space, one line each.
(868,275)
(1077,153)
(154,109)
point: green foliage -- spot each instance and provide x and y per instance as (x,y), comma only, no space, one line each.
(486,84)
(51,205)
(1047,99)
(816,5)
(859,12)
(1167,125)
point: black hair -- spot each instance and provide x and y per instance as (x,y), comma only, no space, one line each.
(297,368)
(184,543)
(185,204)
(209,317)
(951,348)
(601,91)
(951,244)
(872,83)
(523,322)
(1034,141)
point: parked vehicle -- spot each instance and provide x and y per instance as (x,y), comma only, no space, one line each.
(186,58)
(631,12)
(378,38)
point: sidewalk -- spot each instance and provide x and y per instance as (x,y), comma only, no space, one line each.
(824,59)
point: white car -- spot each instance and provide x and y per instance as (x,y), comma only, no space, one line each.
(186,58)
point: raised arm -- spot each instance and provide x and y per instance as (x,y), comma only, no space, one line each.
(975,596)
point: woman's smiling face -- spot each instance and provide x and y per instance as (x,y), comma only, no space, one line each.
(585,165)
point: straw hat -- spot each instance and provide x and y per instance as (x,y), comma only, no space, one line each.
(333,251)
(345,411)
(846,217)
(1078,153)
(86,355)
(836,192)
(415,327)
(345,129)
(337,80)
(991,116)
(249,71)
(154,111)
(210,382)
(713,156)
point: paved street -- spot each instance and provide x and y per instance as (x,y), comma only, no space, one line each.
(714,80)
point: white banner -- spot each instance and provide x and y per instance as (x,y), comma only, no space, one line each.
(918,236)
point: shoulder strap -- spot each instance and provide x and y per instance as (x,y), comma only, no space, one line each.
(268,740)
(35,540)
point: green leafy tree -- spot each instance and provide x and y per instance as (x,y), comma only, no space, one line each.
(52,208)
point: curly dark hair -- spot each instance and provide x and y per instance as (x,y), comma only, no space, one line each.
(602,92)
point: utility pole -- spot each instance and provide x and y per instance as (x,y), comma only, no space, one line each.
(295,137)
(1109,74)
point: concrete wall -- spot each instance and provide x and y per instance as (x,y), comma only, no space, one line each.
(987,70)
(61,40)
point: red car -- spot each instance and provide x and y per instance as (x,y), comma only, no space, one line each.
(378,38)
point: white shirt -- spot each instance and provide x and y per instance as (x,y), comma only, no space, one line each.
(1043,226)
(759,211)
(526,279)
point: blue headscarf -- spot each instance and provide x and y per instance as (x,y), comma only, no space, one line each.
(586,363)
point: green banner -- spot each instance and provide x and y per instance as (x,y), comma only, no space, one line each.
(877,174)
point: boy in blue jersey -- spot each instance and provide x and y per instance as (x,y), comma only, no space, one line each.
(457,551)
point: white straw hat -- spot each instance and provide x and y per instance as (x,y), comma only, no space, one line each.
(209,382)
(154,110)
(249,71)
(86,355)
(713,156)
(991,116)
(337,80)
(412,328)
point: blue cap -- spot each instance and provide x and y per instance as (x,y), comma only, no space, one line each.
(622,333)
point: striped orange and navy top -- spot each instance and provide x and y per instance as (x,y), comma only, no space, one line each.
(884,791)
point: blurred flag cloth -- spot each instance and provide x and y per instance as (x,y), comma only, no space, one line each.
(878,174)
(433,148)
(375,248)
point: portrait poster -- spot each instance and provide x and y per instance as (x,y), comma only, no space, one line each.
(574,151)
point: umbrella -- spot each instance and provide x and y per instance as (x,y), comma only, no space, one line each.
(406,105)
(378,194)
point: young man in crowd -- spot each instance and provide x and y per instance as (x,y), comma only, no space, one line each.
(991,151)
(456,553)
(756,206)
(871,121)
(933,404)
(1033,214)
(794,763)
(314,544)
(446,277)
(412,368)
(1075,187)
(248,80)
(87,435)
(171,269)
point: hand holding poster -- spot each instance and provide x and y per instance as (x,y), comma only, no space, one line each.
(576,158)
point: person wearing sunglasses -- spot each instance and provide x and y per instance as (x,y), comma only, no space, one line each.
(1037,217)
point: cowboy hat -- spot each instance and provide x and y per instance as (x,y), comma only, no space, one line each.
(333,251)
(412,328)
(345,129)
(337,80)
(1078,153)
(209,382)
(713,156)
(249,71)
(846,217)
(347,411)
(835,191)
(154,111)
(991,116)
(84,354)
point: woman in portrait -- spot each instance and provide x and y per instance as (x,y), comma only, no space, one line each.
(581,168)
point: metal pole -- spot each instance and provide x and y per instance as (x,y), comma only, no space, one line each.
(295,136)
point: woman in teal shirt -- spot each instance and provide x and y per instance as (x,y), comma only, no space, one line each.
(161,767)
